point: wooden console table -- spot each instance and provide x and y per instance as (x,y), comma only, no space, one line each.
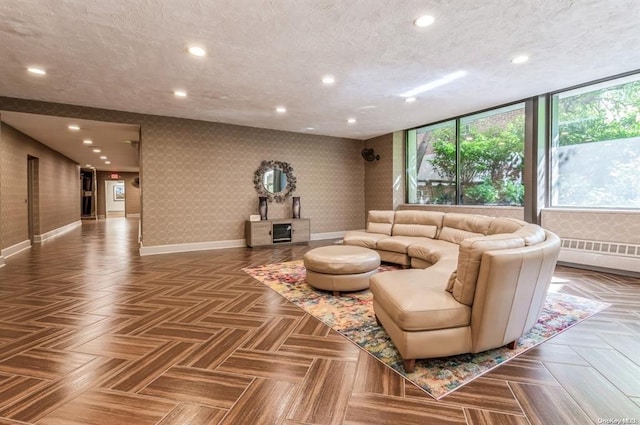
(279,231)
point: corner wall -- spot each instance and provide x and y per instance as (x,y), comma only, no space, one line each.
(58,202)
(384,178)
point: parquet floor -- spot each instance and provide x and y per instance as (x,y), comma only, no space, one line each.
(92,333)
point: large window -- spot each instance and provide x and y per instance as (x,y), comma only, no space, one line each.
(483,159)
(595,145)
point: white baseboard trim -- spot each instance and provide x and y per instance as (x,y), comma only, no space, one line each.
(186,247)
(56,232)
(14,249)
(328,235)
(202,246)
(133,215)
(1,261)
(617,262)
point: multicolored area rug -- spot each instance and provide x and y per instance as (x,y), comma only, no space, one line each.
(352,316)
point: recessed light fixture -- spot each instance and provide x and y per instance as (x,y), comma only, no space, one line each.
(424,21)
(197,51)
(410,99)
(309,128)
(327,80)
(107,162)
(97,150)
(434,84)
(103,157)
(180,93)
(36,70)
(520,59)
(281,109)
(87,141)
(74,127)
(351,120)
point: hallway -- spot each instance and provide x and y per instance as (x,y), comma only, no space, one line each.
(92,333)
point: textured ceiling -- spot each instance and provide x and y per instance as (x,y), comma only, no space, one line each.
(126,55)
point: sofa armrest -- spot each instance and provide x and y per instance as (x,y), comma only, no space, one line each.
(510,292)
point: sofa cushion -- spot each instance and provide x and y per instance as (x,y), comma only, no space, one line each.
(532,234)
(434,250)
(466,275)
(417,223)
(364,239)
(380,221)
(399,244)
(457,227)
(505,225)
(415,299)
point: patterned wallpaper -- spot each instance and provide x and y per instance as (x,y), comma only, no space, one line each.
(606,226)
(379,175)
(58,187)
(198,176)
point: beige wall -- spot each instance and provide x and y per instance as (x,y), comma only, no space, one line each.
(197,177)
(131,193)
(384,178)
(58,187)
(606,226)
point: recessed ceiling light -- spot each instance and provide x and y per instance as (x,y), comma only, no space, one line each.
(197,51)
(424,21)
(520,59)
(36,71)
(281,109)
(410,99)
(107,162)
(74,127)
(97,150)
(351,120)
(103,157)
(87,141)
(328,80)
(310,128)
(180,93)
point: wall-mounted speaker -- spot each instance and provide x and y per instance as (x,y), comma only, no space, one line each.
(369,155)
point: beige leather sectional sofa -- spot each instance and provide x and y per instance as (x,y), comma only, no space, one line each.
(475,282)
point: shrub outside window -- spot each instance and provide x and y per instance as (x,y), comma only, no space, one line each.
(492,157)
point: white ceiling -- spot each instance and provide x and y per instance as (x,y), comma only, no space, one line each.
(131,56)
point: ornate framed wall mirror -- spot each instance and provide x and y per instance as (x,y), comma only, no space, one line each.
(275,180)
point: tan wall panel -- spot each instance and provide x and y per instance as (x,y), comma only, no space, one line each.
(608,226)
(379,175)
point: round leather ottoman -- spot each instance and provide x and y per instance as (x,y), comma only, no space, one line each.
(340,268)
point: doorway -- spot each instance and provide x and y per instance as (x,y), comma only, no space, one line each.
(32,198)
(115,200)
(88,193)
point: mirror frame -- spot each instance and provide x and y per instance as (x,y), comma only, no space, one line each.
(285,168)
